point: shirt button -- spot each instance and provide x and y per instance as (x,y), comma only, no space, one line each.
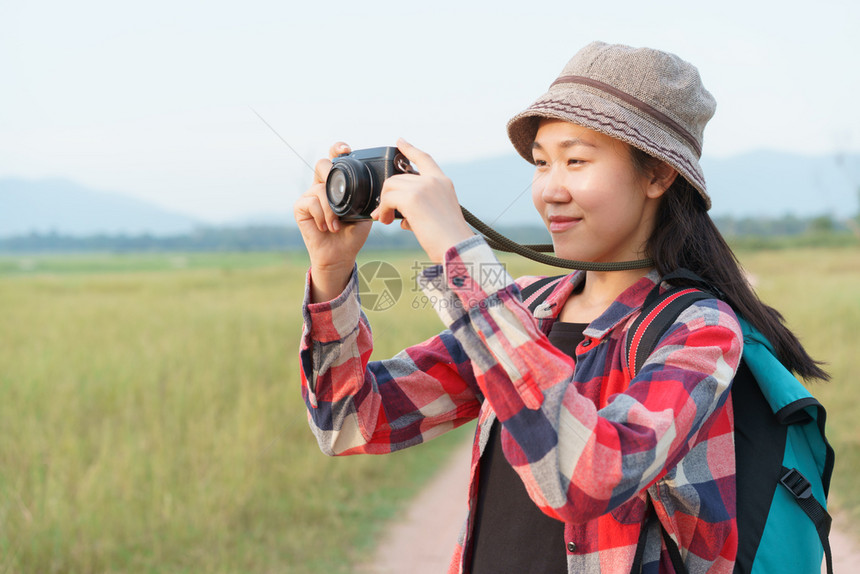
(586,342)
(571,546)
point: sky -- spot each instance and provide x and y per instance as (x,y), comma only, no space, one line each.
(163,100)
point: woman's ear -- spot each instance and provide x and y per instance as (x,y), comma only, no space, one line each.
(662,177)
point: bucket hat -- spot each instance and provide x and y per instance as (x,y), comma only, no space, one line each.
(649,99)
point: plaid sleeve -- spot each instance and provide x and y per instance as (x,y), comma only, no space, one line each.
(579,460)
(358,406)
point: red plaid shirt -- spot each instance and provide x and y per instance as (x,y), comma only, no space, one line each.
(588,443)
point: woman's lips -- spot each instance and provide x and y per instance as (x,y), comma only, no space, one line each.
(559,223)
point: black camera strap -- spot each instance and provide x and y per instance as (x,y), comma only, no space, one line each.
(538,252)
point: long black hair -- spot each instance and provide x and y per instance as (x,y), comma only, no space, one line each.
(685,236)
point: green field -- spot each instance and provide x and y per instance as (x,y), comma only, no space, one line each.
(151,420)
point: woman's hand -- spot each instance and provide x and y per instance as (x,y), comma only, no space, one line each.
(427,203)
(332,245)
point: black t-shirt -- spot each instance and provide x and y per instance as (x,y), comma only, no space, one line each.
(510,533)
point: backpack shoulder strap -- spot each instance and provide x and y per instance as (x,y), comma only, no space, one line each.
(660,310)
(657,315)
(671,547)
(801,489)
(536,293)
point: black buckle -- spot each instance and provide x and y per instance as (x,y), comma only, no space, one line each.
(796,483)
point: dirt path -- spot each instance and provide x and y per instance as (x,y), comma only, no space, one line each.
(423,541)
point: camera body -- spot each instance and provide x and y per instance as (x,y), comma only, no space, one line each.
(354,184)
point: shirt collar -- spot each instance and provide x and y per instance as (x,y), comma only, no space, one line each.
(630,300)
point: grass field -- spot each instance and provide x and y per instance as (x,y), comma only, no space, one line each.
(151,421)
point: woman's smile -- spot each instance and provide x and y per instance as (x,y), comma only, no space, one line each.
(560,223)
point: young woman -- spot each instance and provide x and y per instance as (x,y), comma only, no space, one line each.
(570,454)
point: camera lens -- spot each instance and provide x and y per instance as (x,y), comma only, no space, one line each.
(336,188)
(348,188)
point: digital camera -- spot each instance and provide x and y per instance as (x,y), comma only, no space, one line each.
(354,184)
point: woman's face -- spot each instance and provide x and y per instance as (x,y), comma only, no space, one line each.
(596,205)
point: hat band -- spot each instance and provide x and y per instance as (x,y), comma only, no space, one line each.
(639,104)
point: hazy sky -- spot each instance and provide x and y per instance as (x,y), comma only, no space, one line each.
(155,99)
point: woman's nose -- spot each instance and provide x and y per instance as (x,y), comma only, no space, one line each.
(552,186)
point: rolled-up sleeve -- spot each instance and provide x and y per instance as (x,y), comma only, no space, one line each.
(360,406)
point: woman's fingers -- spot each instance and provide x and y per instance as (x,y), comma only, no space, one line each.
(323,166)
(331,219)
(321,169)
(425,164)
(320,209)
(339,148)
(308,207)
(396,191)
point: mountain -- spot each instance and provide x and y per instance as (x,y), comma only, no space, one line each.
(757,184)
(768,183)
(66,207)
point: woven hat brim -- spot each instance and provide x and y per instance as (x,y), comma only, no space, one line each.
(605,115)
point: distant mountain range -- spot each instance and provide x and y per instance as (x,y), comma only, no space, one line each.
(759,184)
(56,205)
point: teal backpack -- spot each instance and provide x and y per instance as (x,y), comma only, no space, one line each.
(784,462)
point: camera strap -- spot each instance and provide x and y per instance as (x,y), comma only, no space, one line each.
(538,252)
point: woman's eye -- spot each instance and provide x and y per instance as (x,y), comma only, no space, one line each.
(574,161)
(540,162)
